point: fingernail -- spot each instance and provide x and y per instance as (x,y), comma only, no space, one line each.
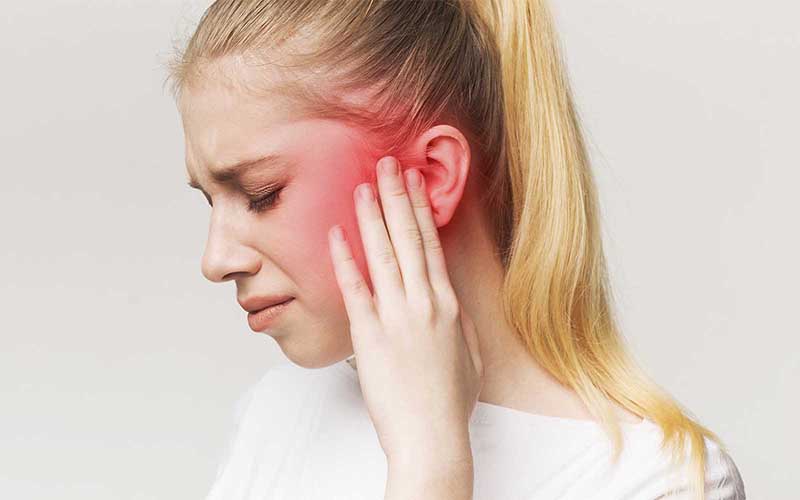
(365,190)
(412,177)
(338,233)
(389,165)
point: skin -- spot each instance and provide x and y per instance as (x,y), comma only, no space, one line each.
(285,249)
(417,351)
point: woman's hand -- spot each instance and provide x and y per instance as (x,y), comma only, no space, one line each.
(417,353)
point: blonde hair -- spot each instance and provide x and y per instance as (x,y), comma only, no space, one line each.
(494,68)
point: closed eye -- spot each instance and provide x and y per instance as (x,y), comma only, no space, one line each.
(256,205)
(263,203)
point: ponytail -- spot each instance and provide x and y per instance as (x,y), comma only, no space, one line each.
(556,291)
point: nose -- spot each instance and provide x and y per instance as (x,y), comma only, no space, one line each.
(226,257)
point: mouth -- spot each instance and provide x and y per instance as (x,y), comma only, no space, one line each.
(257,303)
(261,319)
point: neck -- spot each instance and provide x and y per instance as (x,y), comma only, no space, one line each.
(512,377)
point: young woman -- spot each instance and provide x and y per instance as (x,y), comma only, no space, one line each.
(404,183)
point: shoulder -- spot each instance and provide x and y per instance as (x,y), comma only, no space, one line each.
(723,480)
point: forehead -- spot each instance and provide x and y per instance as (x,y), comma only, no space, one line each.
(224,123)
(241,112)
(231,84)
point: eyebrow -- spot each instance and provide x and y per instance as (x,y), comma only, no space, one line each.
(228,173)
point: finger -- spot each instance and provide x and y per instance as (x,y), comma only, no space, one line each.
(403,231)
(383,269)
(435,264)
(355,291)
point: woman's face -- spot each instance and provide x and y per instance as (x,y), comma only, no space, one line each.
(279,245)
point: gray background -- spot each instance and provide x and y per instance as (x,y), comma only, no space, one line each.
(120,364)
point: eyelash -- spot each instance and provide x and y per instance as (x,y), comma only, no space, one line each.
(265,202)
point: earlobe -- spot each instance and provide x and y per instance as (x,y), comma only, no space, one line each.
(447,163)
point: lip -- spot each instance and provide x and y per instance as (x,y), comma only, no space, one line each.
(261,319)
(255,304)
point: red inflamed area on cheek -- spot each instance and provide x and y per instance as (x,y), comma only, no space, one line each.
(330,203)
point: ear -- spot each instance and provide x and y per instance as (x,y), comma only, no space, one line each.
(445,160)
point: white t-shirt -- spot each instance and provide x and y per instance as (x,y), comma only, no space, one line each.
(305,434)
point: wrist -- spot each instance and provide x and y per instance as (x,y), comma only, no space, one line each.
(432,478)
(453,451)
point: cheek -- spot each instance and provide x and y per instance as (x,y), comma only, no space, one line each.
(324,210)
